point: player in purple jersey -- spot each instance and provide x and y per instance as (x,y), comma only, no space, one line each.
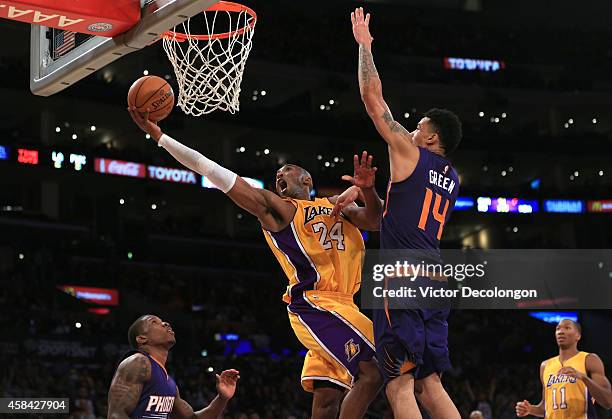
(412,344)
(141,387)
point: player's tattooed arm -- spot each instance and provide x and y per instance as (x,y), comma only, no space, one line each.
(397,137)
(369,80)
(126,386)
(273,212)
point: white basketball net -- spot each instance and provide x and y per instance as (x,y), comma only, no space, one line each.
(209,72)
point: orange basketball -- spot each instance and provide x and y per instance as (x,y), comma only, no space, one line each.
(153,93)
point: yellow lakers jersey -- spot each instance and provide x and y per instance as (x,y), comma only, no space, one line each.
(566,397)
(317,251)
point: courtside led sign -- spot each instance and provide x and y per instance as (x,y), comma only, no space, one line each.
(102,296)
(226,337)
(463,203)
(4,152)
(600,206)
(25,156)
(564,206)
(120,168)
(473,64)
(168,174)
(504,205)
(554,317)
(255,183)
(77,161)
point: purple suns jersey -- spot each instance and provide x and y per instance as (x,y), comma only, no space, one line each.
(417,208)
(158,394)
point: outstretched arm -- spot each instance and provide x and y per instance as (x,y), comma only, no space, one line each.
(368,217)
(370,87)
(595,380)
(273,212)
(226,387)
(403,154)
(126,386)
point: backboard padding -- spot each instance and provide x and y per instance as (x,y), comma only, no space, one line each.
(48,76)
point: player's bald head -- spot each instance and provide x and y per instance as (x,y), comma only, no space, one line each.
(302,172)
(293,181)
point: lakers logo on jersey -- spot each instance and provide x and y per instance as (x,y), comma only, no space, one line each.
(351,349)
(559,378)
(311,212)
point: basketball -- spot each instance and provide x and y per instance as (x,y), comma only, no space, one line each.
(153,93)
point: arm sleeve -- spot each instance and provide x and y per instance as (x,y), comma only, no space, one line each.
(222,178)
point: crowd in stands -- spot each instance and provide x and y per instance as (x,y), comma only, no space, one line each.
(494,363)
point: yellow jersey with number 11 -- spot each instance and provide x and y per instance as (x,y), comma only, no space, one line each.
(564,396)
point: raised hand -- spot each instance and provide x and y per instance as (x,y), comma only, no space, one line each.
(364,174)
(361,27)
(226,383)
(363,177)
(144,123)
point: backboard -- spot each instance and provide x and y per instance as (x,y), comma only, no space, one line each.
(60,58)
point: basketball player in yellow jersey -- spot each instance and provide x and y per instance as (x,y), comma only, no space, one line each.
(321,255)
(571,382)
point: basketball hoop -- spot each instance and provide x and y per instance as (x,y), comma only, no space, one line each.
(209,66)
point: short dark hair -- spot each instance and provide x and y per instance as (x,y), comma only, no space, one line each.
(135,330)
(577,325)
(448,127)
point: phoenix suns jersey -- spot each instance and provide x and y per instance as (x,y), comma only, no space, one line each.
(158,394)
(317,251)
(566,397)
(417,208)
